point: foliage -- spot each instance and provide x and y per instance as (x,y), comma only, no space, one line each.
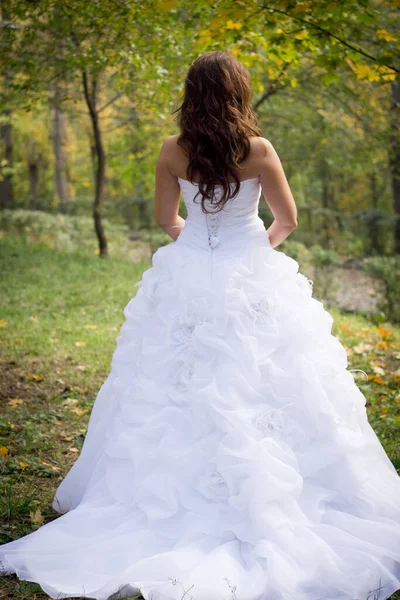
(321,75)
(387,268)
(68,233)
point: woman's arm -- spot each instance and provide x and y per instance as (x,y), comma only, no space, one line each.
(278,195)
(167,193)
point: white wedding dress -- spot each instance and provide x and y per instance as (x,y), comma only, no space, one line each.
(228,454)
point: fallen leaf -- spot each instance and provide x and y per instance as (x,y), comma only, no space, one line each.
(383,332)
(80,343)
(35,377)
(361,348)
(378,370)
(90,326)
(376,379)
(37,517)
(23,464)
(3,323)
(42,462)
(79,411)
(382,345)
(3,451)
(13,402)
(69,401)
(74,450)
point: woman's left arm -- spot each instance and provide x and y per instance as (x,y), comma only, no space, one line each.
(167,193)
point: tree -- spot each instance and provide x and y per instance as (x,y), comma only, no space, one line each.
(87,43)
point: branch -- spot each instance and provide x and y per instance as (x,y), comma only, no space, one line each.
(332,35)
(272,89)
(110,102)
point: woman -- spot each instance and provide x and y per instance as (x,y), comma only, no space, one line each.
(228,453)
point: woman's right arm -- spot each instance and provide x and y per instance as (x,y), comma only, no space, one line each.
(277,194)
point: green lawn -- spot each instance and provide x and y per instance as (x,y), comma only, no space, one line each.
(59,318)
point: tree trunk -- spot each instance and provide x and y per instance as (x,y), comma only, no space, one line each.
(6,149)
(33,166)
(394,159)
(58,138)
(91,101)
(6,155)
(374,221)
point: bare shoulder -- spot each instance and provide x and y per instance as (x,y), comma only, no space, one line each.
(169,143)
(170,149)
(173,156)
(261,147)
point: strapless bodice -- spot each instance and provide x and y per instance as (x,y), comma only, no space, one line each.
(237,224)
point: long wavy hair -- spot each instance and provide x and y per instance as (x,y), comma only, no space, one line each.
(216,119)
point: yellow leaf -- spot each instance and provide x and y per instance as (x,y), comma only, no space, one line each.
(79,411)
(385,35)
(37,517)
(365,72)
(293,82)
(382,345)
(376,379)
(233,25)
(23,464)
(260,87)
(13,402)
(3,323)
(80,343)
(3,451)
(97,251)
(301,35)
(35,377)
(90,326)
(385,333)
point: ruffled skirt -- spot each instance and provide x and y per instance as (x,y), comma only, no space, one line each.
(228,454)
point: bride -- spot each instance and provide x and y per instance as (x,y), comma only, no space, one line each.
(228,453)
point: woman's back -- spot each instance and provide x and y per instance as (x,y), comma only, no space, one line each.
(250,168)
(227,231)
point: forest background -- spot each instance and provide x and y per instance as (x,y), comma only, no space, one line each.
(87,95)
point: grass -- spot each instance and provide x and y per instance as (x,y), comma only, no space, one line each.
(59,319)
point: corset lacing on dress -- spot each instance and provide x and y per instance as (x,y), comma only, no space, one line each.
(213,221)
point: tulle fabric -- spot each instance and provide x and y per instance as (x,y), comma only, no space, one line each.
(228,454)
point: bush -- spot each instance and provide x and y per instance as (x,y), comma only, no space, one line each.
(387,269)
(68,233)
